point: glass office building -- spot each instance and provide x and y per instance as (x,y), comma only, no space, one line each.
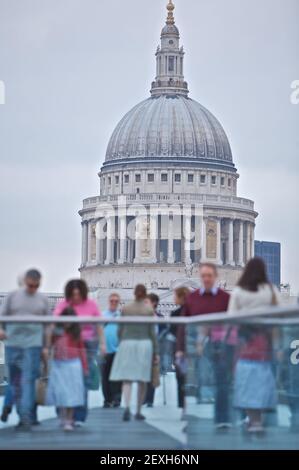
(271,254)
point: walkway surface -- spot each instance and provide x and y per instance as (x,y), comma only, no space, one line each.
(203,436)
(162,430)
(104,430)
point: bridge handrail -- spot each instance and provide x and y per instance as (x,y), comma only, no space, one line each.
(272,315)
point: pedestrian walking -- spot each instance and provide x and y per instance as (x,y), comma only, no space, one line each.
(180,296)
(111,390)
(76,297)
(137,353)
(25,344)
(255,387)
(66,389)
(222,340)
(153,301)
(9,398)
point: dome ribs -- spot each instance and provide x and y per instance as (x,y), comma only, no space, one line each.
(169,126)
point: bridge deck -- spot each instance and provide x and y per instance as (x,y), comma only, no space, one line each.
(203,436)
(104,430)
(161,430)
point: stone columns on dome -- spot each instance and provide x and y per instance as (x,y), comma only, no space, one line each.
(170,254)
(187,239)
(89,243)
(130,251)
(230,258)
(241,244)
(218,242)
(122,220)
(84,243)
(154,236)
(99,247)
(137,241)
(204,241)
(252,240)
(229,240)
(110,239)
(249,241)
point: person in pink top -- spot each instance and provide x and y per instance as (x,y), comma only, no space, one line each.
(76,297)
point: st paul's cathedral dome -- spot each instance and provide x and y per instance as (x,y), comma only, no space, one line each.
(169,125)
(168,197)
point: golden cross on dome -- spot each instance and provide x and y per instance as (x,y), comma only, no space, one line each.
(170,16)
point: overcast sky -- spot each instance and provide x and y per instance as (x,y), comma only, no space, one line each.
(72,68)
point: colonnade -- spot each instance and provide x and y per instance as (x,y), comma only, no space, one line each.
(222,240)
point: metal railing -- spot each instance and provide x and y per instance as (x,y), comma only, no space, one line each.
(272,315)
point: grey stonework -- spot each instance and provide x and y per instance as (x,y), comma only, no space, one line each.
(168,191)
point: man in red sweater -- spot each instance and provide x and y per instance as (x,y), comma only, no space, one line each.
(217,343)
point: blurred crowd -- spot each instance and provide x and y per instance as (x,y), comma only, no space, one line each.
(231,366)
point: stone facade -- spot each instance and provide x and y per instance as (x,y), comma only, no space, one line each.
(155,277)
(168,192)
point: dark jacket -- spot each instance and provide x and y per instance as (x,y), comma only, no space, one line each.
(175,313)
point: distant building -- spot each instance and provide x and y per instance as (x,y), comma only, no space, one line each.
(271,254)
(168,193)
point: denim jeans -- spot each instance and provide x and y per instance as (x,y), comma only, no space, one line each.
(205,378)
(8,398)
(92,348)
(24,369)
(223,357)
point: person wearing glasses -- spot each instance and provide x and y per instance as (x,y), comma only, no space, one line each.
(25,345)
